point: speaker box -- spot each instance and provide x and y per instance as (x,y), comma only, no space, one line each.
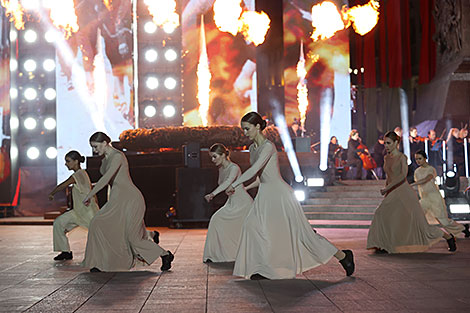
(192,155)
(302,144)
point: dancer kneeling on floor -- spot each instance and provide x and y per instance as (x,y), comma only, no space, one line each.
(117,236)
(277,241)
(81,214)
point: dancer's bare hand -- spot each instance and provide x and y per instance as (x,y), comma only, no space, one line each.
(383,191)
(209,197)
(86,201)
(230,191)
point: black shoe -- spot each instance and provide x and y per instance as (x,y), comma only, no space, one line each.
(348,262)
(451,244)
(156,237)
(64,256)
(95,270)
(380,251)
(258,277)
(166,261)
(466,231)
(208,261)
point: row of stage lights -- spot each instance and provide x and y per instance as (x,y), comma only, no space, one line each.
(31,123)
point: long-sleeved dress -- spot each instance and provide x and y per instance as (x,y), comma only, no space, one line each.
(277,240)
(223,235)
(432,203)
(399,224)
(117,234)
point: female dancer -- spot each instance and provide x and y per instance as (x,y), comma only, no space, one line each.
(399,224)
(431,200)
(277,241)
(117,234)
(223,235)
(81,215)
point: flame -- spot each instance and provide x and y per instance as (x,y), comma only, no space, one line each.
(108,4)
(302,91)
(63,16)
(15,11)
(164,13)
(254,27)
(227,15)
(326,20)
(203,77)
(363,17)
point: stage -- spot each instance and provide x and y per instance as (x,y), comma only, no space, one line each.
(31,281)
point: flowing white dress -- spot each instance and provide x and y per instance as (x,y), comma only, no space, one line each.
(277,240)
(432,202)
(223,235)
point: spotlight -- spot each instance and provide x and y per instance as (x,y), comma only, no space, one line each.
(49,123)
(169,110)
(150,111)
(170,83)
(49,94)
(51,152)
(152,82)
(30,94)
(170,55)
(13,93)
(48,65)
(13,35)
(451,184)
(51,35)
(442,192)
(30,65)
(30,123)
(151,55)
(299,178)
(323,166)
(459,208)
(32,153)
(300,195)
(30,36)
(169,28)
(315,182)
(13,65)
(150,27)
(13,152)
(14,122)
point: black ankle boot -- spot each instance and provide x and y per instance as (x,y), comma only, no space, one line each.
(166,261)
(466,231)
(348,262)
(64,256)
(451,244)
(156,237)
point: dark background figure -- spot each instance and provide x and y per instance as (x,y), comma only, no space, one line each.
(399,132)
(334,156)
(455,158)
(295,129)
(435,151)
(353,158)
(378,154)
(416,144)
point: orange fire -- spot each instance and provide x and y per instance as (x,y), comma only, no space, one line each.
(302,91)
(63,16)
(15,11)
(326,20)
(254,27)
(203,77)
(108,4)
(164,13)
(227,15)
(363,17)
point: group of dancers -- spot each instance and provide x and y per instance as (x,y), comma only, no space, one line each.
(267,237)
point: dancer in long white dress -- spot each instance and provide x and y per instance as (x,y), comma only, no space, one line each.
(223,235)
(430,198)
(277,241)
(117,236)
(81,215)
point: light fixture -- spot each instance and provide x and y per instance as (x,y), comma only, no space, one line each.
(32,153)
(50,93)
(170,55)
(13,65)
(169,110)
(50,123)
(150,111)
(13,152)
(14,122)
(48,65)
(30,123)
(51,152)
(13,93)
(300,195)
(150,27)
(169,28)
(315,182)
(299,178)
(459,208)
(151,55)
(13,35)
(151,82)
(442,192)
(30,65)
(51,35)
(30,94)
(30,36)
(170,83)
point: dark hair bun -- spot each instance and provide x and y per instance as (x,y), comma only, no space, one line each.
(263,124)
(254,119)
(82,159)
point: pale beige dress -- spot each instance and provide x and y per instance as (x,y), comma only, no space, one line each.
(277,240)
(117,236)
(432,202)
(223,235)
(399,224)
(81,214)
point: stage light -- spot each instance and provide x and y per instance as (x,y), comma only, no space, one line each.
(50,93)
(459,208)
(170,55)
(150,27)
(51,35)
(48,65)
(13,152)
(30,123)
(151,55)
(30,65)
(13,65)
(51,152)
(442,192)
(169,28)
(355,71)
(152,82)
(32,153)
(323,166)
(14,122)
(315,182)
(299,178)
(30,94)
(150,111)
(170,83)
(49,123)
(169,110)
(30,4)
(13,93)
(300,195)
(13,35)
(450,174)
(451,184)
(30,36)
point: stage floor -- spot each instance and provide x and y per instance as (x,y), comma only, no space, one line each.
(31,281)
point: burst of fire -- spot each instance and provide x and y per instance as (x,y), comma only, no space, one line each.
(254,27)
(227,14)
(108,4)
(326,20)
(164,13)
(203,77)
(302,91)
(15,11)
(63,16)
(363,17)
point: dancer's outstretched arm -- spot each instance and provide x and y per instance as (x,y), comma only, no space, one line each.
(266,152)
(116,161)
(61,186)
(225,184)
